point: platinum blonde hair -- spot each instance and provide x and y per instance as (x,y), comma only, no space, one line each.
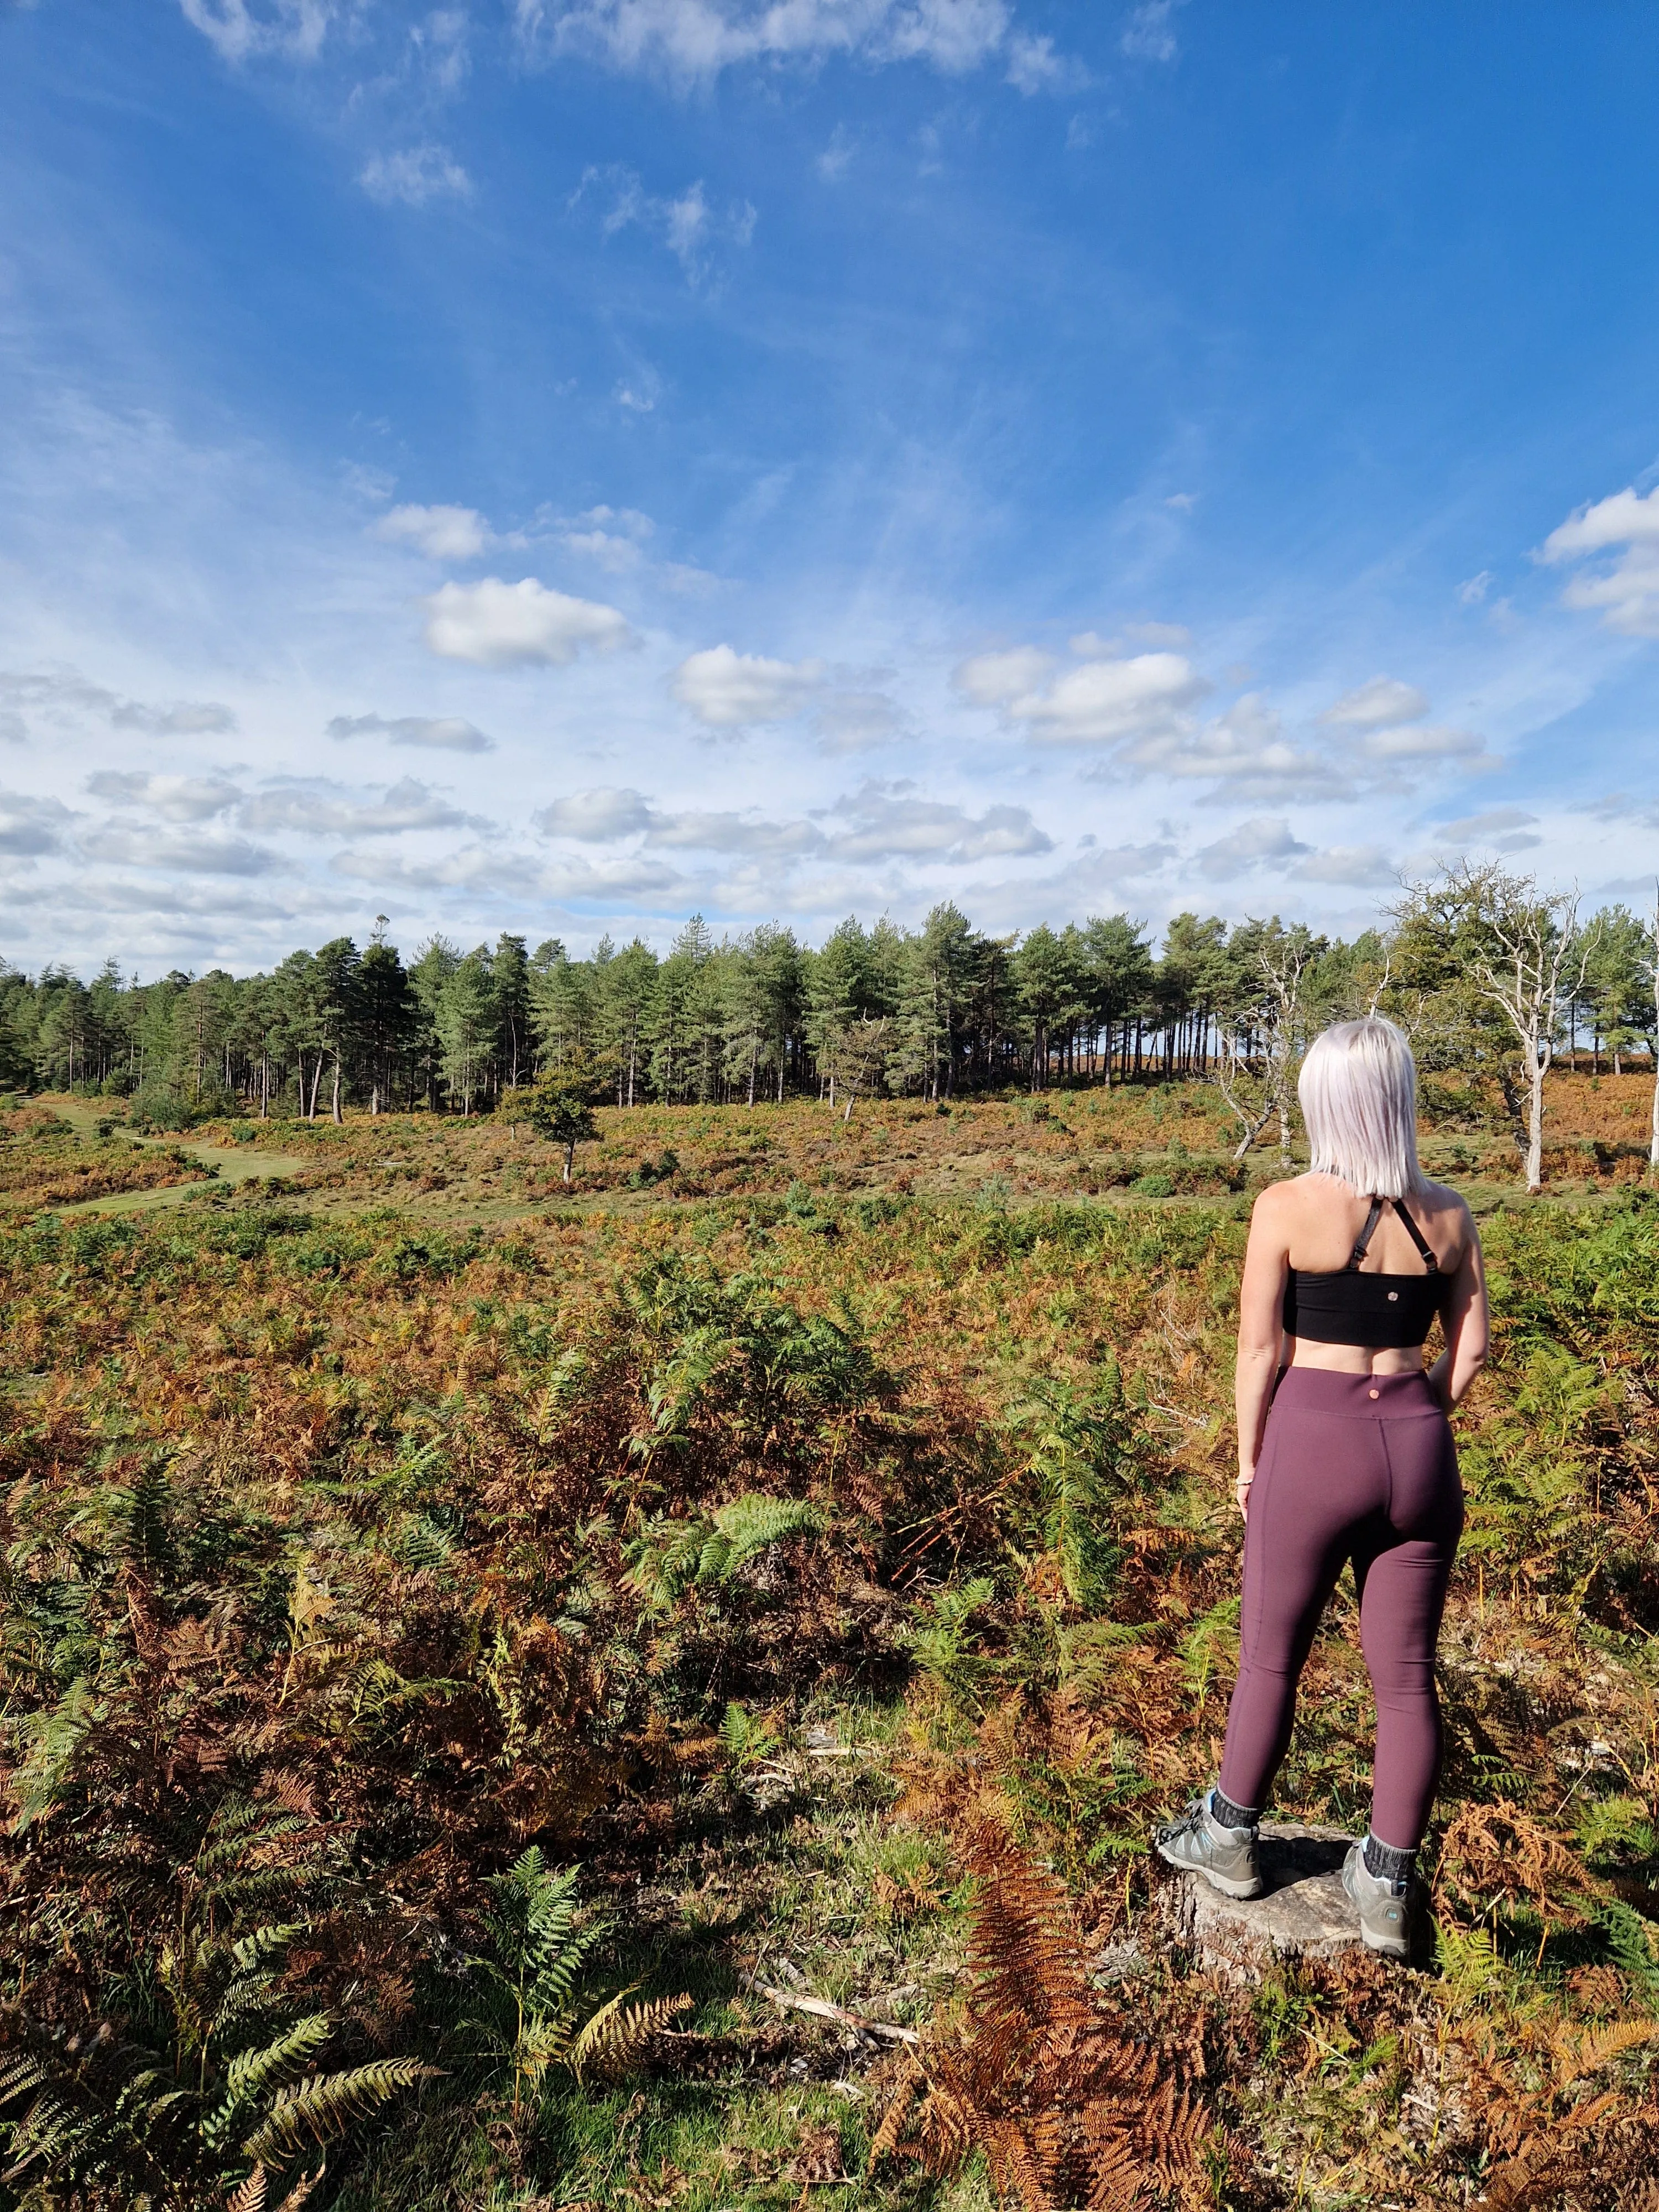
(1358,1093)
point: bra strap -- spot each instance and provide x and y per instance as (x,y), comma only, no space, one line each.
(1431,1265)
(1364,1236)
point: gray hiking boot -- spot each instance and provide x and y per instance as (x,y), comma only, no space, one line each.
(1384,1905)
(1197,1842)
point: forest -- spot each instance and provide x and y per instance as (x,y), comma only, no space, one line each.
(647,1682)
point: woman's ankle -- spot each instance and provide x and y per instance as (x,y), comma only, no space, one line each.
(1387,1862)
(1227,1814)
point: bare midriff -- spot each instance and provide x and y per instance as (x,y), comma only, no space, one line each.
(1352,1358)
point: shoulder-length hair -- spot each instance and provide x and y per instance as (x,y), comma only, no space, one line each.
(1358,1093)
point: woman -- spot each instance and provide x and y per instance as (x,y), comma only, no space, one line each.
(1344,1452)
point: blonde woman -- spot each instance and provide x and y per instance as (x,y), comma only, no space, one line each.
(1345,1453)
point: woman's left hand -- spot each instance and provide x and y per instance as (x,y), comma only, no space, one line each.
(1241,1493)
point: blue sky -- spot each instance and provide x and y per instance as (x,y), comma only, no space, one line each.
(555,465)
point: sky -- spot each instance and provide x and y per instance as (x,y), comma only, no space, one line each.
(558,466)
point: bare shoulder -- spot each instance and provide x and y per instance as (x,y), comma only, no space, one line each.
(1278,1205)
(1447,1211)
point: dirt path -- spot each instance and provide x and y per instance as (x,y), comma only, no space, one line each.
(236,1164)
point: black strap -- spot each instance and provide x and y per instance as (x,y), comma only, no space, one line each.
(1364,1236)
(1431,1265)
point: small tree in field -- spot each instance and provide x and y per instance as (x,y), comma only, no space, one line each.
(560,1110)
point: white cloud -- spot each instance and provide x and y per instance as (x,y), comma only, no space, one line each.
(414,177)
(1175,635)
(1360,867)
(1427,741)
(833,163)
(1034,66)
(1481,829)
(190,852)
(175,797)
(442,533)
(1244,751)
(63,696)
(241,30)
(856,722)
(691,229)
(314,807)
(728,689)
(1263,837)
(698,39)
(446,733)
(498,624)
(691,830)
(1148,36)
(1374,706)
(993,680)
(1107,702)
(1474,589)
(1626,594)
(595,817)
(888,820)
(29,826)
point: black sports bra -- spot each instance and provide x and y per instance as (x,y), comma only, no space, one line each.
(1381,1313)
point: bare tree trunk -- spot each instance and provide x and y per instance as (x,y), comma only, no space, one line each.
(570,1161)
(316,1084)
(1540,1060)
(335,1114)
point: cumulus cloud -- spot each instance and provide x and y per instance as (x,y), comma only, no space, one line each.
(499,625)
(63,696)
(175,797)
(446,733)
(1625,593)
(1376,705)
(1103,701)
(1263,837)
(1244,751)
(596,817)
(318,808)
(1360,867)
(442,533)
(240,30)
(200,853)
(412,178)
(728,691)
(890,820)
(30,826)
(688,39)
(612,537)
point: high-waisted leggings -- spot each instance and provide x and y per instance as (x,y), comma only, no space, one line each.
(1360,1467)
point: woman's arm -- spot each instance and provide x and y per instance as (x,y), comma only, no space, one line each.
(1467,1324)
(1260,1329)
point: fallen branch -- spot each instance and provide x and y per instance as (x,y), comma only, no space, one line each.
(820,2008)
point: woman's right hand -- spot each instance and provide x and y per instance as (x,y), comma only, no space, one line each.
(1242,1491)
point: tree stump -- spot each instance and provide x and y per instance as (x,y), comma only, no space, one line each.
(1303,1909)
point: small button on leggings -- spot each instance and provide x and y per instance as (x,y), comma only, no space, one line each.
(1360,1467)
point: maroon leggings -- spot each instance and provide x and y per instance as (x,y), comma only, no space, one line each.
(1360,1467)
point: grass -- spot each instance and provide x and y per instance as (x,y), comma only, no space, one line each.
(411,1407)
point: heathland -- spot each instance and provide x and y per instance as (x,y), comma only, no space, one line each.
(654,1692)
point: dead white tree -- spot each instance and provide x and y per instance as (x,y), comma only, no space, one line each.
(1653,1049)
(1534,970)
(1284,961)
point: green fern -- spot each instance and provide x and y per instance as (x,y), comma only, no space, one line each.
(670,1556)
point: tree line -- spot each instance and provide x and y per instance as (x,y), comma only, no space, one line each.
(1492,974)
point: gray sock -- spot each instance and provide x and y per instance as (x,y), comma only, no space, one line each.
(1230,1815)
(1386,1863)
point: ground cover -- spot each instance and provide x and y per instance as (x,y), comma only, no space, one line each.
(822,1543)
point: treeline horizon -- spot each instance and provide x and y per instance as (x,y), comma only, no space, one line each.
(933,1011)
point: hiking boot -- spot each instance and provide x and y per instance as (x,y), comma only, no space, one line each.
(1197,1843)
(1384,1905)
